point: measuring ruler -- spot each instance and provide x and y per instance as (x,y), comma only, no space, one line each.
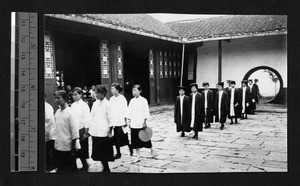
(24,134)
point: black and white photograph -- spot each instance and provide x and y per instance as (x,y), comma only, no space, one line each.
(165,93)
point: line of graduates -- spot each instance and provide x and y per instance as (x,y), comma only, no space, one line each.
(192,111)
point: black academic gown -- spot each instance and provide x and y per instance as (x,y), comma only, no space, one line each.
(181,125)
(227,89)
(237,109)
(210,103)
(253,96)
(247,99)
(256,92)
(199,111)
(224,107)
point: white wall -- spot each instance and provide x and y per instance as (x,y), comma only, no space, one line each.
(241,55)
(207,63)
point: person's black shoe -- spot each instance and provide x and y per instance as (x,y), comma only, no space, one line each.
(222,126)
(196,137)
(106,171)
(117,156)
(206,126)
(83,169)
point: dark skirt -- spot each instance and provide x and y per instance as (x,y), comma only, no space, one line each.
(136,143)
(66,162)
(102,149)
(50,155)
(120,139)
(84,143)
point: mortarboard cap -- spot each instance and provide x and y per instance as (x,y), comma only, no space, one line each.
(221,84)
(181,87)
(245,81)
(205,83)
(194,84)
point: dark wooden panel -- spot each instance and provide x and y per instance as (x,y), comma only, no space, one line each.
(120,66)
(165,89)
(171,76)
(50,64)
(105,65)
(152,76)
(162,77)
(113,61)
(157,74)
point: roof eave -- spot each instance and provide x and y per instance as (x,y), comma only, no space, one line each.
(269,33)
(91,22)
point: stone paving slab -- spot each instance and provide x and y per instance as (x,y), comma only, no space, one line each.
(231,145)
(275,164)
(257,144)
(245,161)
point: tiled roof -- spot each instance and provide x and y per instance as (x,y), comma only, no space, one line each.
(136,23)
(213,28)
(228,26)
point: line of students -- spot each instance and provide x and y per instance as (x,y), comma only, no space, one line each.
(67,131)
(192,111)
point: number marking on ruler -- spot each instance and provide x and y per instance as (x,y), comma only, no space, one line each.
(28,92)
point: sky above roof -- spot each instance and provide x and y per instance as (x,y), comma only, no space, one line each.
(164,18)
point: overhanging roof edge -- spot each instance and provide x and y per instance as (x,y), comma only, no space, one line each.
(91,22)
(182,40)
(237,37)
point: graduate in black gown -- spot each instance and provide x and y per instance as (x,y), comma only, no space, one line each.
(245,99)
(227,89)
(221,107)
(254,96)
(196,110)
(234,103)
(208,97)
(257,96)
(181,111)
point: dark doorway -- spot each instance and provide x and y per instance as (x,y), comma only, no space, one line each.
(78,57)
(136,70)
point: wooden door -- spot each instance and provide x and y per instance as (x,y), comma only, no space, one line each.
(50,68)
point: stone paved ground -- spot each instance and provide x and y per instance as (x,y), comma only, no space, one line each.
(258,144)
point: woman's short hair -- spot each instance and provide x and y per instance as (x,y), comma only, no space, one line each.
(101,89)
(137,87)
(78,90)
(62,93)
(117,86)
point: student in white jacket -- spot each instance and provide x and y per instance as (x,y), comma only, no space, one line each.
(82,111)
(101,129)
(138,113)
(66,134)
(119,110)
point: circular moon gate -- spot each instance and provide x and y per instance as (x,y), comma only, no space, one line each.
(280,92)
